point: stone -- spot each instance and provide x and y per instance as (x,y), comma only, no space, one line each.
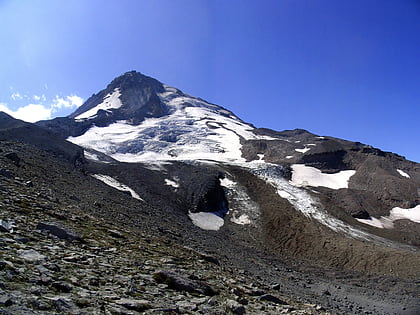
(234,307)
(62,286)
(181,283)
(6,173)
(62,305)
(7,226)
(13,156)
(276,286)
(61,232)
(272,298)
(31,255)
(6,300)
(133,304)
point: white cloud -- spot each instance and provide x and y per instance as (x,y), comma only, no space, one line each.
(67,102)
(29,113)
(36,112)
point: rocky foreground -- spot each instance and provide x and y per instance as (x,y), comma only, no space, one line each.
(57,258)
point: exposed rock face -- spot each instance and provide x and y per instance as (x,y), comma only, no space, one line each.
(138,95)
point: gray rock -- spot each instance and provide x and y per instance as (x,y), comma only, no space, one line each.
(31,255)
(13,157)
(61,232)
(7,226)
(181,283)
(272,298)
(62,305)
(62,286)
(133,304)
(6,300)
(235,307)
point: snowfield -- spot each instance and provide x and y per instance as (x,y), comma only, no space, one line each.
(310,176)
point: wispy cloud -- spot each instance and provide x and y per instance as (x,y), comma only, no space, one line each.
(16,96)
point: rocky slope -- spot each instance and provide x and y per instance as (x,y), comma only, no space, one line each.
(59,254)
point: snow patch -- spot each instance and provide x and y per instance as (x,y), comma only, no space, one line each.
(117,185)
(226,182)
(304,150)
(310,176)
(172,183)
(404,174)
(111,101)
(206,220)
(91,156)
(397,213)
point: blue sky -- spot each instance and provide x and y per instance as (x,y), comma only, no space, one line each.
(349,69)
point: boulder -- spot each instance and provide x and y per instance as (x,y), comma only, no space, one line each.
(61,232)
(182,283)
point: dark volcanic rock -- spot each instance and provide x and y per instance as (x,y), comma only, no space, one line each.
(60,232)
(182,283)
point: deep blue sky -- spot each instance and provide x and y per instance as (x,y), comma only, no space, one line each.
(349,69)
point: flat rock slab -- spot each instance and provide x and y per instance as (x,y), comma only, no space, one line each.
(183,283)
(59,231)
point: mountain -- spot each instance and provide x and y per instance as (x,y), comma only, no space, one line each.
(280,214)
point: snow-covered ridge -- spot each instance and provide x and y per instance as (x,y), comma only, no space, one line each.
(117,185)
(110,101)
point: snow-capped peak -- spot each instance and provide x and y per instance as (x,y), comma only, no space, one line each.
(193,129)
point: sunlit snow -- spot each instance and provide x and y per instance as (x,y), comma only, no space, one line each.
(172,183)
(397,213)
(404,174)
(304,150)
(91,156)
(111,101)
(117,185)
(310,176)
(206,220)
